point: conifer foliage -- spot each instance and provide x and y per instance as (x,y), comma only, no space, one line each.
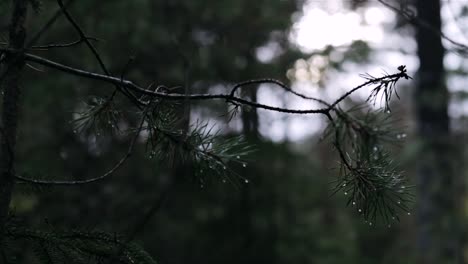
(368,176)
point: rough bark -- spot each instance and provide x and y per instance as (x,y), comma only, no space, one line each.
(12,68)
(437,228)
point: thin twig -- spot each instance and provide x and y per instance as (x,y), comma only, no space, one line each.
(278,83)
(95,53)
(337,143)
(62,45)
(413,19)
(47,25)
(92,180)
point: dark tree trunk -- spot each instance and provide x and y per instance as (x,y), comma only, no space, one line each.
(12,68)
(250,117)
(437,229)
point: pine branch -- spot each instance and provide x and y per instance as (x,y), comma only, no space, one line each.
(368,177)
(227,97)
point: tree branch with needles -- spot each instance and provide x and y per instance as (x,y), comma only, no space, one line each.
(383,87)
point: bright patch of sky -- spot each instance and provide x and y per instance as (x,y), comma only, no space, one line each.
(319,28)
(330,23)
(327,23)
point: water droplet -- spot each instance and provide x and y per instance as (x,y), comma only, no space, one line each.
(398,202)
(359,210)
(224,167)
(63,154)
(246,180)
(344,184)
(224,180)
(393,218)
(376,129)
(398,136)
(244,165)
(74,131)
(389,226)
(409,213)
(403,187)
(376,148)
(354,203)
(370,223)
(388,111)
(238,157)
(345,193)
(403,135)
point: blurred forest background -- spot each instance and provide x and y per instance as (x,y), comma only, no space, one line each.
(282,210)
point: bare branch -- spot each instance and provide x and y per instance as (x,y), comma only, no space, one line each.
(413,19)
(47,26)
(228,97)
(278,83)
(62,45)
(95,53)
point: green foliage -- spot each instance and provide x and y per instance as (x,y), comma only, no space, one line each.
(358,52)
(96,115)
(54,246)
(201,147)
(36,5)
(368,176)
(282,213)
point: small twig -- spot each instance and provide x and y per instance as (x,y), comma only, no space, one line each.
(337,143)
(92,180)
(62,45)
(95,53)
(413,19)
(278,83)
(47,25)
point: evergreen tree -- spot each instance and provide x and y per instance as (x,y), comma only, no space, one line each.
(146,117)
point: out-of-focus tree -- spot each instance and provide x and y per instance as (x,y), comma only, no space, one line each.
(208,49)
(438,235)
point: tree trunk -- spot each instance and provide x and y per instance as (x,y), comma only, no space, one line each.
(11,75)
(250,116)
(437,229)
